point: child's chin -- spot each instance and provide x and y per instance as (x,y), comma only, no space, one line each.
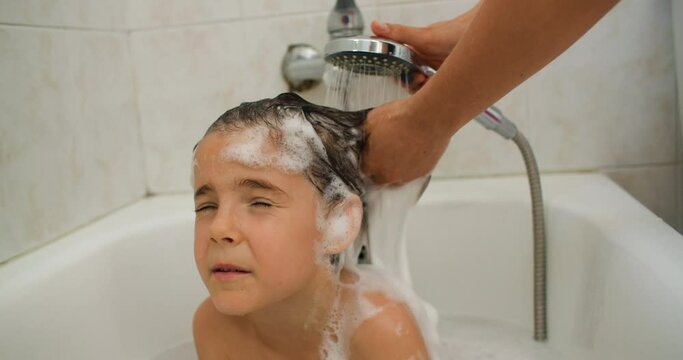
(228,304)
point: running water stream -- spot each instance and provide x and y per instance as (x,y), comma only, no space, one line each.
(357,88)
(386,210)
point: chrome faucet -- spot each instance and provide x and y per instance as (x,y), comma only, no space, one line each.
(345,20)
(303,65)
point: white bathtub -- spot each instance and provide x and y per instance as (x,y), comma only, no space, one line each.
(125,287)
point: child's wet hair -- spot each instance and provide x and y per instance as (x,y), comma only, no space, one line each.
(341,134)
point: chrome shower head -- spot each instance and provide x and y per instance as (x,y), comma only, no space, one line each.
(370,55)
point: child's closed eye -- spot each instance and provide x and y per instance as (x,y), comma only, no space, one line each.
(204,207)
(261,203)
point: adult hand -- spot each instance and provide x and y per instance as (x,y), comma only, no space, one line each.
(401,145)
(407,137)
(431,44)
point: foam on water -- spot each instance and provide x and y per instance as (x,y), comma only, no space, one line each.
(482,339)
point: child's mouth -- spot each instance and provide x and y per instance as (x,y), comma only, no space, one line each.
(228,271)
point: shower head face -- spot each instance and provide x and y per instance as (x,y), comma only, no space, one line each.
(369,55)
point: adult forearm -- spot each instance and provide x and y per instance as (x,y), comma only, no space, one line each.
(506,43)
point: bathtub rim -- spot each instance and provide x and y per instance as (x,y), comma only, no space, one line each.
(570,192)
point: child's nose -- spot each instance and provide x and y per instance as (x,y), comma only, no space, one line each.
(227,240)
(224,230)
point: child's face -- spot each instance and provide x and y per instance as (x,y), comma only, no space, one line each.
(260,219)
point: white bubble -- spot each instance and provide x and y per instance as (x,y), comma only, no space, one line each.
(338,228)
(250,151)
(299,142)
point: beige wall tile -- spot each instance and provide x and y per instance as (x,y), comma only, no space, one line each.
(251,8)
(69,141)
(421,13)
(475,151)
(186,78)
(116,14)
(160,13)
(94,14)
(265,44)
(610,99)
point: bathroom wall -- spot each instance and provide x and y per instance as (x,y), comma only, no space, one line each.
(70,146)
(103,100)
(608,104)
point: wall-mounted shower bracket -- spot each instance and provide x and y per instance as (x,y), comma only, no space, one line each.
(302,67)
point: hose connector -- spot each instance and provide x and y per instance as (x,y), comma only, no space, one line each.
(493,119)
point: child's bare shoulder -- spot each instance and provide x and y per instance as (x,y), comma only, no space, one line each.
(209,333)
(392,333)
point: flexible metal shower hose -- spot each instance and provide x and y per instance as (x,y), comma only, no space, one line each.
(540,305)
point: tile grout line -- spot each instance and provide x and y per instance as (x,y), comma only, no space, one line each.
(138,112)
(169,26)
(62,28)
(376,6)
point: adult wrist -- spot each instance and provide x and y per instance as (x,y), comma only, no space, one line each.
(425,122)
(436,115)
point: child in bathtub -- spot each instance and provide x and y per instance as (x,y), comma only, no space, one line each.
(278,201)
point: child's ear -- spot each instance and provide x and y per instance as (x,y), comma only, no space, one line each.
(343,225)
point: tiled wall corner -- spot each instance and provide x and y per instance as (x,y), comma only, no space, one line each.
(69,141)
(656,187)
(677,22)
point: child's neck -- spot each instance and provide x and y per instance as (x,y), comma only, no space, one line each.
(296,325)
